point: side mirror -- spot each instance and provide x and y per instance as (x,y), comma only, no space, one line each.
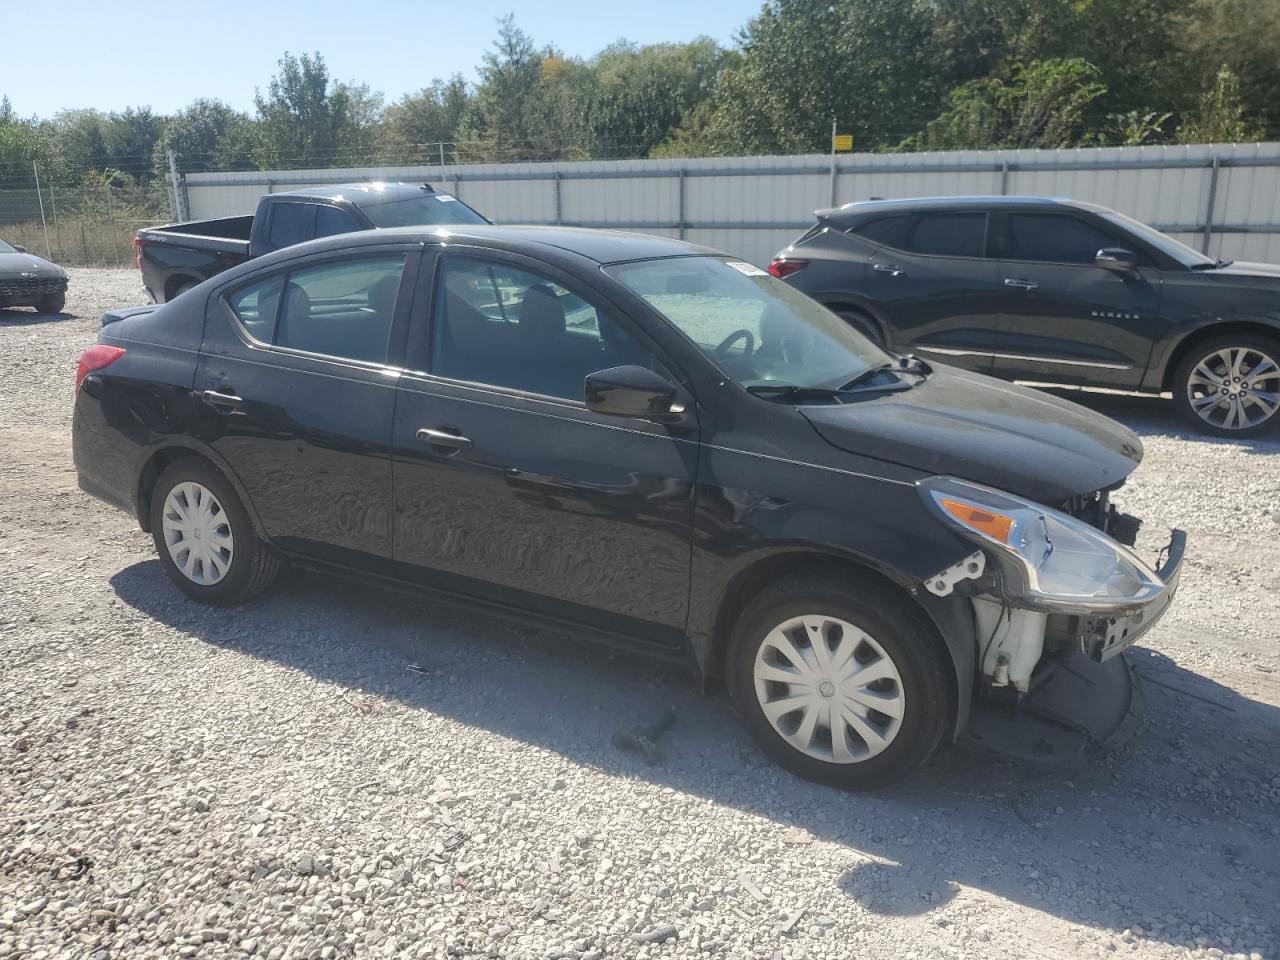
(633,391)
(20,248)
(1116,258)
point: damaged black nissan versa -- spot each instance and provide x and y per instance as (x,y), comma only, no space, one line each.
(657,445)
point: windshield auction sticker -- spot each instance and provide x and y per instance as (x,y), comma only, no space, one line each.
(748,269)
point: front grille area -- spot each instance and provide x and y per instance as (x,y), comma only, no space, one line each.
(32,288)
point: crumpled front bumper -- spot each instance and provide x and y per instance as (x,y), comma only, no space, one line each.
(1090,699)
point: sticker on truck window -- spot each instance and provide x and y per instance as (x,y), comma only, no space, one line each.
(445,198)
(747,269)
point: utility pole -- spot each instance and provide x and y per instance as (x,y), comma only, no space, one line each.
(833,161)
(179,193)
(48,251)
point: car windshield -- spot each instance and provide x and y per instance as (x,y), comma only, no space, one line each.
(430,208)
(6,248)
(758,330)
(1185,255)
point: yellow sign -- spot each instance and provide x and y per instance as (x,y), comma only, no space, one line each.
(842,143)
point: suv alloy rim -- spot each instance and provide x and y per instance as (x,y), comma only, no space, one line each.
(197,533)
(1235,388)
(829,689)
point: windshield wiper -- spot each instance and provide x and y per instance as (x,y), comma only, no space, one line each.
(907,363)
(1216,265)
(792,391)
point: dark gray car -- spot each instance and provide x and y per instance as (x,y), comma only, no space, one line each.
(30,281)
(1055,291)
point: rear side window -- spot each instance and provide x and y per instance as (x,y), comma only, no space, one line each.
(886,231)
(341,309)
(948,234)
(332,220)
(1056,238)
(291,223)
(255,307)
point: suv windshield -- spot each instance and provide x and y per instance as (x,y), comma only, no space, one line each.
(758,330)
(1185,255)
(430,208)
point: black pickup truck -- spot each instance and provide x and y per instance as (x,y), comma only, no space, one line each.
(178,256)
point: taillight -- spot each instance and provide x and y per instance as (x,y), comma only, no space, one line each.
(785,268)
(95,358)
(137,251)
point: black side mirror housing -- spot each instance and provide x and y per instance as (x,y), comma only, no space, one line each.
(634,391)
(1116,258)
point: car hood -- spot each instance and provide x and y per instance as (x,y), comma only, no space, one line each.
(14,264)
(966,425)
(1243,268)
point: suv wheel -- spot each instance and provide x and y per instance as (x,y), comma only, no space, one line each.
(839,683)
(1230,386)
(205,539)
(863,324)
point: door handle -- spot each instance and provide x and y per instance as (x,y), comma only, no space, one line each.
(444,438)
(221,399)
(891,269)
(1020,284)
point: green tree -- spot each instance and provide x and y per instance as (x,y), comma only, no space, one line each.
(303,120)
(1221,117)
(129,139)
(1039,104)
(870,64)
(1243,36)
(416,123)
(206,135)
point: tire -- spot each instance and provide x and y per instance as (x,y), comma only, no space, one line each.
(52,303)
(863,324)
(920,689)
(235,569)
(1211,368)
(181,289)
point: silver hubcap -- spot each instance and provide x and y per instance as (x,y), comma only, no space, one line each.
(1235,388)
(829,689)
(197,533)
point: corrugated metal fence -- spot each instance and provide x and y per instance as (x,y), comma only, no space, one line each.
(1223,199)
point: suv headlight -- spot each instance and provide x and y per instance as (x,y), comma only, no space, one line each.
(1051,561)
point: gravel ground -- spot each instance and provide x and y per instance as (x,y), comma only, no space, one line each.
(271,781)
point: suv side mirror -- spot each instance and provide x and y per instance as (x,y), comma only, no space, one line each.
(20,248)
(1116,258)
(633,391)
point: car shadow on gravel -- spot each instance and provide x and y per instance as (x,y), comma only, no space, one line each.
(1157,416)
(25,318)
(1180,829)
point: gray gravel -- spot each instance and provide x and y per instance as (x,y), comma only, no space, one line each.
(272,782)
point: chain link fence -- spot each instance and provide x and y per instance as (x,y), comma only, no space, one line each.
(86,224)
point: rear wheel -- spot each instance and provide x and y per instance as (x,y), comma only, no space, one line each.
(863,324)
(1230,386)
(839,682)
(53,303)
(205,539)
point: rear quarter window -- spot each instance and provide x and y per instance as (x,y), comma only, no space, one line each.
(885,231)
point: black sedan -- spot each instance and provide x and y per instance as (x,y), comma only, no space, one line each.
(30,281)
(1053,291)
(654,444)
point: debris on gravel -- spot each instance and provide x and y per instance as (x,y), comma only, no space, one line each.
(271,781)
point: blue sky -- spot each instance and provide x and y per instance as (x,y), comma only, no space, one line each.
(113,55)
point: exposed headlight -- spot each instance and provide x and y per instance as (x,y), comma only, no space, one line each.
(1051,561)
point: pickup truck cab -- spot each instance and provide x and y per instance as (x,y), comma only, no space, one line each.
(176,257)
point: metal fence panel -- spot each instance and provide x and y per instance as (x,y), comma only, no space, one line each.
(753,206)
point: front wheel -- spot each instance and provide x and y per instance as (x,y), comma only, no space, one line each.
(839,682)
(205,539)
(1230,386)
(863,324)
(53,303)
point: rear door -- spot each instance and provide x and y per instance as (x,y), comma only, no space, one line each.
(297,379)
(1064,319)
(935,284)
(506,486)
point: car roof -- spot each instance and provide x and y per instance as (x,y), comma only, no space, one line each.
(362,194)
(554,244)
(861,208)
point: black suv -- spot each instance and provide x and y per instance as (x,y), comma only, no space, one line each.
(1052,291)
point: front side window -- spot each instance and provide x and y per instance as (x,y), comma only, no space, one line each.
(508,327)
(948,234)
(1055,238)
(758,330)
(341,309)
(291,223)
